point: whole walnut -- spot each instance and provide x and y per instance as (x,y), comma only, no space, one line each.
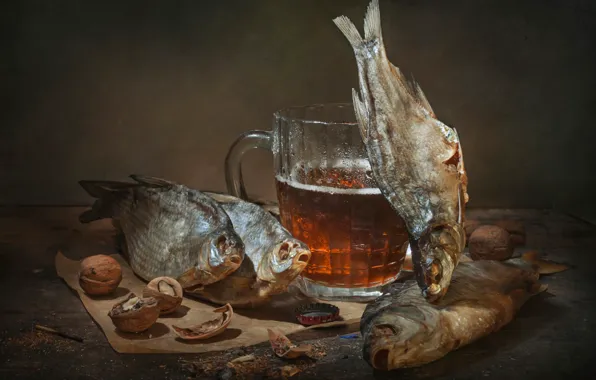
(99,275)
(470,226)
(489,242)
(516,229)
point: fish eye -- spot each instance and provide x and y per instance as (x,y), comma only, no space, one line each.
(385,330)
(221,241)
(284,251)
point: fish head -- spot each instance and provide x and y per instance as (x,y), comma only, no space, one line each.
(284,261)
(219,255)
(435,256)
(398,338)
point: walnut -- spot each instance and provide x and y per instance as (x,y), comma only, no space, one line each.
(134,314)
(516,229)
(470,226)
(99,275)
(167,292)
(489,242)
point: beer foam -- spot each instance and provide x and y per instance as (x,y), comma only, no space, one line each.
(328,189)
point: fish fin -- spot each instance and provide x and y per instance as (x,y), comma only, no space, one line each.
(419,94)
(361,115)
(151,181)
(108,194)
(349,30)
(98,189)
(372,21)
(543,266)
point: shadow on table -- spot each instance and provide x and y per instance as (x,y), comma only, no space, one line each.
(534,316)
(228,334)
(156,331)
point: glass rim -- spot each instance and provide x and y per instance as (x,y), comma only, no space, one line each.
(283,114)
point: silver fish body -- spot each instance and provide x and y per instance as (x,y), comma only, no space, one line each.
(416,160)
(401,329)
(169,229)
(274,258)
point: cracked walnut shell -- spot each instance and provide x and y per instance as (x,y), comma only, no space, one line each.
(167,291)
(134,314)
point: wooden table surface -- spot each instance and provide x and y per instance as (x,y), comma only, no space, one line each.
(553,336)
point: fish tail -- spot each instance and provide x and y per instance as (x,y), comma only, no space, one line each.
(349,30)
(372,22)
(108,194)
(372,26)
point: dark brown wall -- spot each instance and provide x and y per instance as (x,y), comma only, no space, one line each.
(96,89)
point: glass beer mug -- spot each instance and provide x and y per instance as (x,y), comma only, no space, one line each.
(329,200)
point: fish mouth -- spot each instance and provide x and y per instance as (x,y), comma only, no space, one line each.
(290,255)
(435,256)
(380,359)
(434,292)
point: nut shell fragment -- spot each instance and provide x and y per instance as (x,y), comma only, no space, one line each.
(134,314)
(490,243)
(284,348)
(209,328)
(99,275)
(167,291)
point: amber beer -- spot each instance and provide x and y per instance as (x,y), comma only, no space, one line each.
(357,240)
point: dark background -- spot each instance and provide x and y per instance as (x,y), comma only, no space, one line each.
(102,89)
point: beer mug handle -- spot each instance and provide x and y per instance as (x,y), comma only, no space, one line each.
(245,142)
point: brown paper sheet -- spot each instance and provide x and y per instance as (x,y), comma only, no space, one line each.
(248,327)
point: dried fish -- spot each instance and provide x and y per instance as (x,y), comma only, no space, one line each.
(273,257)
(284,348)
(401,329)
(207,329)
(169,229)
(416,160)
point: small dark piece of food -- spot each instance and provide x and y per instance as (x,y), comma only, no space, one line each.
(167,291)
(134,314)
(490,243)
(99,275)
(207,329)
